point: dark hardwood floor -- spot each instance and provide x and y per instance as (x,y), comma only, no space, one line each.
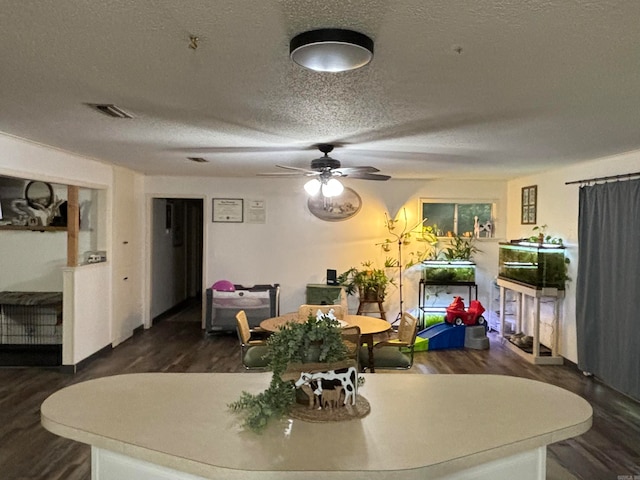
(609,451)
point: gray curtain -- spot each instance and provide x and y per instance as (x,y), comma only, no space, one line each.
(608,284)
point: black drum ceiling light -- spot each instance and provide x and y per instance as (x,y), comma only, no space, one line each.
(331,50)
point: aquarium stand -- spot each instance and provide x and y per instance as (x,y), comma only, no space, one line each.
(423,295)
(538,354)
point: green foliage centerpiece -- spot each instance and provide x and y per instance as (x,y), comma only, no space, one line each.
(318,339)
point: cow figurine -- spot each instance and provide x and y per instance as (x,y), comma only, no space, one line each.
(321,381)
(313,394)
(331,398)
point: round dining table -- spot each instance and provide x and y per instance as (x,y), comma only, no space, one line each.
(369,326)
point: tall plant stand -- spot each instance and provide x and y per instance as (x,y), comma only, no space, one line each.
(364,307)
(401,239)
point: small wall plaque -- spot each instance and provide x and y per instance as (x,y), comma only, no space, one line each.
(256,211)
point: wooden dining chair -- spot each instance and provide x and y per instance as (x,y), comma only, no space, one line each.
(305,310)
(253,352)
(395,352)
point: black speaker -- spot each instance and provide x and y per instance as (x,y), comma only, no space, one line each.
(332,278)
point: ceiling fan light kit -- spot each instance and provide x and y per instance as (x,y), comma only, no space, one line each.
(331,50)
(312,187)
(332,188)
(329,188)
(326,171)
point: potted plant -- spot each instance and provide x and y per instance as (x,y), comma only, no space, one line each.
(540,236)
(369,283)
(456,265)
(427,246)
(317,340)
(461,248)
(424,234)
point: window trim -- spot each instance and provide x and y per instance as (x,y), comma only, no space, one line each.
(493,202)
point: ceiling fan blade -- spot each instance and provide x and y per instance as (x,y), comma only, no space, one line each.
(351,170)
(281,174)
(326,167)
(294,172)
(368,176)
(306,171)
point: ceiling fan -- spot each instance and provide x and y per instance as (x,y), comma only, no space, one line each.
(326,171)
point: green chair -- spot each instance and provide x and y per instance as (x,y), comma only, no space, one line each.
(253,353)
(396,352)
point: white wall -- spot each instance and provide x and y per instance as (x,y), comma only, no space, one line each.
(24,159)
(87,311)
(32,261)
(295,248)
(558,209)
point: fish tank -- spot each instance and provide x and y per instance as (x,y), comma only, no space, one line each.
(533,264)
(448,272)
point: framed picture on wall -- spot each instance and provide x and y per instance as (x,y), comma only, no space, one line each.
(228,210)
(529,205)
(335,209)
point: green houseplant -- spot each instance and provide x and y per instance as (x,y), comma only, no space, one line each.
(540,236)
(461,248)
(316,340)
(369,283)
(424,234)
(456,264)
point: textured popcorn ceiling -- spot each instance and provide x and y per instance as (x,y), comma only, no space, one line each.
(486,89)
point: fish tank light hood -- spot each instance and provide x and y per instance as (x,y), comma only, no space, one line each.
(524,243)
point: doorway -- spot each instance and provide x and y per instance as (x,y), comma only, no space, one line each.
(176,257)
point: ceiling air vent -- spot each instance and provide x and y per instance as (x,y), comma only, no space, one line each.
(111,110)
(198,159)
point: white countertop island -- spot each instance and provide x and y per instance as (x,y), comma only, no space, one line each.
(161,426)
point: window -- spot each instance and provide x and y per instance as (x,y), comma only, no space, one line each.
(459,218)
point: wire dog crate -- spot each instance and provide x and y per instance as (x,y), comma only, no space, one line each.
(30,325)
(30,328)
(30,318)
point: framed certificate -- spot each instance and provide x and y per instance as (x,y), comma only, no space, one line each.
(230,210)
